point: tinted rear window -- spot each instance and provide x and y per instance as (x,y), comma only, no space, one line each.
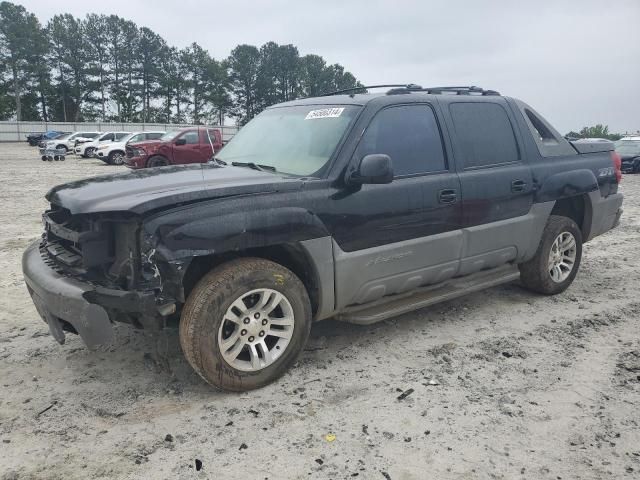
(484,133)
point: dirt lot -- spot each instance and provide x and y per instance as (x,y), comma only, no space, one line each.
(500,384)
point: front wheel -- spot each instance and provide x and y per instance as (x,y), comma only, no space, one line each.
(116,158)
(557,259)
(245,323)
(157,161)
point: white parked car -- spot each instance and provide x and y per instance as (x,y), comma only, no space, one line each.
(68,142)
(87,149)
(113,152)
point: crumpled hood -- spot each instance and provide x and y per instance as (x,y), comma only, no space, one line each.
(148,189)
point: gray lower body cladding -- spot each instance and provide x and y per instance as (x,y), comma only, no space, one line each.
(605,213)
(464,259)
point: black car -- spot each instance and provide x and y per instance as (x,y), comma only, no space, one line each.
(35,138)
(357,207)
(629,150)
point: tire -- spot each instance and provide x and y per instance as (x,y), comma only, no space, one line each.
(88,152)
(116,158)
(537,274)
(62,146)
(205,322)
(157,161)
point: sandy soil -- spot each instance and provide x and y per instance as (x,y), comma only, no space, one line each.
(500,384)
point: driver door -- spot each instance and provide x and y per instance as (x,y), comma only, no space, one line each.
(186,148)
(396,237)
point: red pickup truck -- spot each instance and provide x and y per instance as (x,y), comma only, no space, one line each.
(189,145)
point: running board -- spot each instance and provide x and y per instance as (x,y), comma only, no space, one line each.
(395,305)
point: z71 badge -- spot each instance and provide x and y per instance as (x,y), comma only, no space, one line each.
(606,172)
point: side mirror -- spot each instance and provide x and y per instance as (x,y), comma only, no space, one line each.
(181,141)
(374,169)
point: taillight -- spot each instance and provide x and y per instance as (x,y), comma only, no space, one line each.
(617,165)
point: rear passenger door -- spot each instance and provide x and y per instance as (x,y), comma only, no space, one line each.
(398,236)
(497,190)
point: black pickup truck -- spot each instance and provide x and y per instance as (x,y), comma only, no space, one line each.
(354,206)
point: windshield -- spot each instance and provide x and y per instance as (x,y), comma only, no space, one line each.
(170,135)
(296,140)
(628,147)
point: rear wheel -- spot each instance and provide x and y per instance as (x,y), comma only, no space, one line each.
(245,323)
(88,152)
(557,259)
(62,147)
(157,161)
(116,158)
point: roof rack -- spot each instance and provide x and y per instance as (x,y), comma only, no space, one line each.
(397,89)
(367,87)
(466,90)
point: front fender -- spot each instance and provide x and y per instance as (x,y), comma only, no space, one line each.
(566,184)
(197,230)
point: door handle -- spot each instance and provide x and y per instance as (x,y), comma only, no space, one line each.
(447,196)
(518,185)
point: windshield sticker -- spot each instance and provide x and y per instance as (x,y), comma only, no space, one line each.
(324,113)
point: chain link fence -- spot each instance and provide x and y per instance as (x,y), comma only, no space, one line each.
(18,131)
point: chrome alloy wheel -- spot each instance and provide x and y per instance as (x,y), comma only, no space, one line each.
(256,329)
(118,158)
(562,257)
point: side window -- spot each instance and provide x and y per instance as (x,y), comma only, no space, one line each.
(543,133)
(137,138)
(109,136)
(212,134)
(154,136)
(485,134)
(409,134)
(120,136)
(191,138)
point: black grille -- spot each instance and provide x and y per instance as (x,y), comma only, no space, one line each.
(74,241)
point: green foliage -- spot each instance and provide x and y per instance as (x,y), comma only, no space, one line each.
(597,131)
(19,32)
(105,68)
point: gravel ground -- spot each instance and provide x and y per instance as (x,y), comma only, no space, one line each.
(499,384)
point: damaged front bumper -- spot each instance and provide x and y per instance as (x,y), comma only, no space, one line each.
(68,304)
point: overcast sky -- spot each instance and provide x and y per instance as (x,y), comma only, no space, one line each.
(575,61)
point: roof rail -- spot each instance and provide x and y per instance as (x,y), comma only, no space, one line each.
(467,90)
(396,89)
(408,86)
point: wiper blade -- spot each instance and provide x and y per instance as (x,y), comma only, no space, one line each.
(217,161)
(255,166)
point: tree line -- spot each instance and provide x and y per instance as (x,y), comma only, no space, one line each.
(106,68)
(596,131)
